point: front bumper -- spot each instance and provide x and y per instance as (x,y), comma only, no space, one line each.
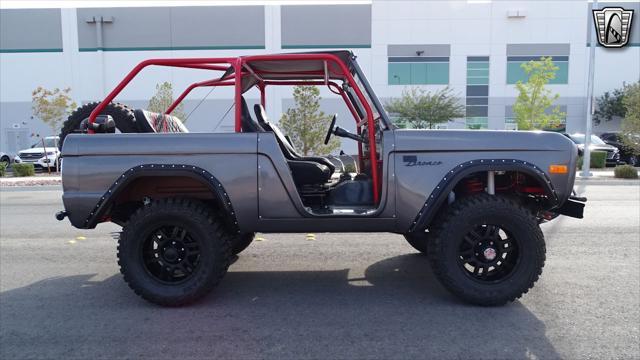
(573,207)
(43,162)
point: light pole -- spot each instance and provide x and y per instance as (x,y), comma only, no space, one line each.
(586,163)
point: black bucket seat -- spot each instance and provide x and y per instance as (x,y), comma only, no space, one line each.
(304,172)
(287,148)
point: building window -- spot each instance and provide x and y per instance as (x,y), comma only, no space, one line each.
(510,123)
(477,100)
(515,71)
(418,64)
(518,54)
(479,122)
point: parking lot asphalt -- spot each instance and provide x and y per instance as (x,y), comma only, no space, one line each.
(338,296)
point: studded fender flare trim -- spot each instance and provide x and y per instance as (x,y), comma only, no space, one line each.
(448,182)
(160,170)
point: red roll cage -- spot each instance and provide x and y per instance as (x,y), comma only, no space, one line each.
(261,71)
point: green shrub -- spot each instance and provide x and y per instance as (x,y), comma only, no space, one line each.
(20,170)
(625,172)
(3,168)
(598,160)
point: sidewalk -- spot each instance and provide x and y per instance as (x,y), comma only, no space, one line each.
(38,180)
(603,177)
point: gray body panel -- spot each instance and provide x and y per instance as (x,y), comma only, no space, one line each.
(454,147)
(255,175)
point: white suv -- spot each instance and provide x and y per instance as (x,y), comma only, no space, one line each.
(43,154)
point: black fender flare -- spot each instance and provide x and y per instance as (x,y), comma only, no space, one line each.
(449,181)
(159,170)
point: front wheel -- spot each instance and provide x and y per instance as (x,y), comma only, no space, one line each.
(487,250)
(173,251)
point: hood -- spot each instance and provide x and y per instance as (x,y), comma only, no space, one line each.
(599,147)
(483,140)
(37,150)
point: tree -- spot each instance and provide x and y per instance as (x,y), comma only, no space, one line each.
(423,110)
(609,105)
(52,106)
(631,122)
(163,98)
(532,109)
(306,125)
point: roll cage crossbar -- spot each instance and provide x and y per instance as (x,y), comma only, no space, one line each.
(274,70)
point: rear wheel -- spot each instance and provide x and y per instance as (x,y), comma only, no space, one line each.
(173,251)
(122,116)
(487,250)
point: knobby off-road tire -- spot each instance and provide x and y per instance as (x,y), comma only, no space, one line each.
(477,229)
(122,115)
(241,242)
(173,251)
(418,240)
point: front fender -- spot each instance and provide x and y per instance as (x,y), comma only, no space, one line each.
(440,193)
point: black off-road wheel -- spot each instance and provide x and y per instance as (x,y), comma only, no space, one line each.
(241,242)
(173,251)
(122,116)
(418,240)
(487,250)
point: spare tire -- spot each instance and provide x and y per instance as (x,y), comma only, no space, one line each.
(122,116)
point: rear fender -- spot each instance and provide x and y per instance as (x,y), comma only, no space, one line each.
(162,170)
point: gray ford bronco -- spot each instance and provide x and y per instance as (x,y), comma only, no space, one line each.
(472,201)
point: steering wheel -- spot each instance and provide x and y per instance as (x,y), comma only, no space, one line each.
(330,131)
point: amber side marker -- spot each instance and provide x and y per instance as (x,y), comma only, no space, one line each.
(558,169)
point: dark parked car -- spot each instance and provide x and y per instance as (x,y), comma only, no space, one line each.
(613,154)
(627,154)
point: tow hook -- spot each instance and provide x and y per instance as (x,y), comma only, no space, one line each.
(60,215)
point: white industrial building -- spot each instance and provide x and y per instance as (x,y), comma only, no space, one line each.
(475,47)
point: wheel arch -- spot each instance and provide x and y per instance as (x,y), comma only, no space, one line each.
(438,197)
(183,176)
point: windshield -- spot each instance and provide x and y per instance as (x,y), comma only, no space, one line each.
(579,139)
(48,142)
(370,97)
(366,96)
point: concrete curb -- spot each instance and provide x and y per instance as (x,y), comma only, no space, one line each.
(30,181)
(56,180)
(607,181)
